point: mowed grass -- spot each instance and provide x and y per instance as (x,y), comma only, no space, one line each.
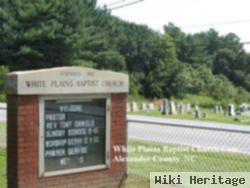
(2,135)
(135,181)
(3,179)
(2,156)
(185,161)
(211,117)
(178,160)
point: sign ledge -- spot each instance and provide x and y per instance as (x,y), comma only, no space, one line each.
(66,80)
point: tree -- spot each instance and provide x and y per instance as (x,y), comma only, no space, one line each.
(223,62)
(3,71)
(190,48)
(232,41)
(37,34)
(182,80)
(110,60)
(241,71)
(223,89)
(141,48)
(235,67)
(160,73)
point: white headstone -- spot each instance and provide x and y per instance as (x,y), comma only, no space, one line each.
(144,107)
(216,109)
(172,108)
(182,108)
(128,107)
(197,108)
(197,111)
(151,106)
(134,107)
(221,110)
(231,110)
(189,108)
(244,107)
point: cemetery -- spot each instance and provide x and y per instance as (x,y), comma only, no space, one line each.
(217,113)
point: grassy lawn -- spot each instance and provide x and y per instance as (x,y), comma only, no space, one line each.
(2,168)
(135,181)
(2,133)
(184,161)
(187,161)
(211,117)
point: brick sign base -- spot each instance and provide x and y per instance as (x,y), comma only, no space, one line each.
(23,148)
(70,142)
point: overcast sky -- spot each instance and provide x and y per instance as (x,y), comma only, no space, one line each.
(191,15)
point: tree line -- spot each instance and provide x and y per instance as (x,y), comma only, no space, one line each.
(48,33)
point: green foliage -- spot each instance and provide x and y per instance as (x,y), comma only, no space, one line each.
(137,98)
(223,89)
(142,49)
(37,34)
(84,63)
(235,66)
(191,79)
(110,60)
(159,76)
(199,80)
(182,81)
(3,71)
(48,33)
(242,96)
(210,54)
(134,87)
(201,100)
(223,61)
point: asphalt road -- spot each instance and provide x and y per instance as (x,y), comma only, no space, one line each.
(2,115)
(2,112)
(204,139)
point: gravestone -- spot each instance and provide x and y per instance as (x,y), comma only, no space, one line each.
(221,110)
(165,107)
(134,107)
(128,107)
(144,107)
(204,115)
(196,107)
(197,111)
(151,106)
(216,109)
(178,107)
(231,110)
(185,108)
(172,108)
(62,126)
(244,107)
(182,108)
(189,108)
(160,108)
